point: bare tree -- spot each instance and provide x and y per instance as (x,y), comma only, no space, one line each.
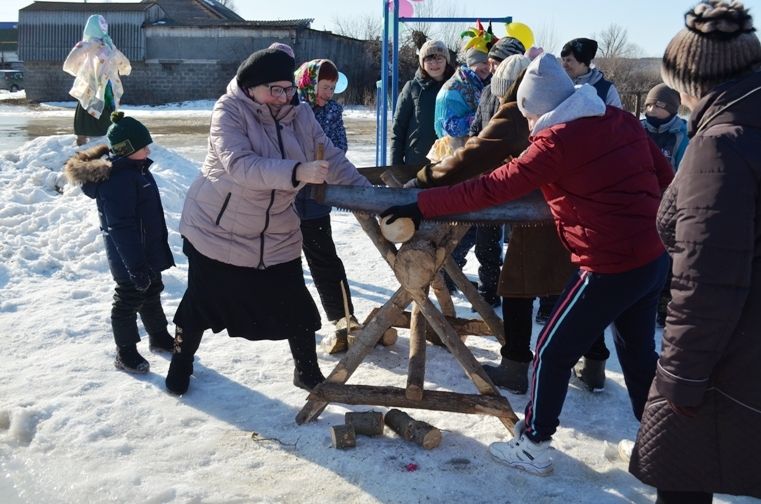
(613,42)
(230,4)
(363,28)
(547,38)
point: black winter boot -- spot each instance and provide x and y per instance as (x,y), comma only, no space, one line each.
(307,374)
(592,373)
(185,346)
(510,374)
(161,342)
(130,360)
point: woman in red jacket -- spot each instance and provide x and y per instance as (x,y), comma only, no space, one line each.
(602,178)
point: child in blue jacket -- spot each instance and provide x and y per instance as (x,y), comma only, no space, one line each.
(134,231)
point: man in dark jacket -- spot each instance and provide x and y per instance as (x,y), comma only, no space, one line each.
(134,232)
(701,430)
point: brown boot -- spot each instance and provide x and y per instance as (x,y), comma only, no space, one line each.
(339,341)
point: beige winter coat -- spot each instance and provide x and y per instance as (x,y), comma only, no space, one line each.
(240,210)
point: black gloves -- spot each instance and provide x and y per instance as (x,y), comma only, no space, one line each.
(411,211)
(142,281)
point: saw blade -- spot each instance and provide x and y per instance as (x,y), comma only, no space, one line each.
(375,199)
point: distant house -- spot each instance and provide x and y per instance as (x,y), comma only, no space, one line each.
(8,43)
(179,49)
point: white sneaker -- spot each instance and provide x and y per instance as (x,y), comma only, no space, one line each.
(524,454)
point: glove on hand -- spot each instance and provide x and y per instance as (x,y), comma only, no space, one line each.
(412,183)
(141,281)
(411,211)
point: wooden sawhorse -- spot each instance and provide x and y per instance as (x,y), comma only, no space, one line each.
(416,265)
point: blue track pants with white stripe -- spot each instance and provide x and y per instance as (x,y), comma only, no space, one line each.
(589,303)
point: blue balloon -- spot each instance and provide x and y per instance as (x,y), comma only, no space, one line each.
(342,83)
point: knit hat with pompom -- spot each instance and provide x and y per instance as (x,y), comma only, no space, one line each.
(718,44)
(127,135)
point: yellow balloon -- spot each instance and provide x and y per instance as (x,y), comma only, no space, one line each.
(522,32)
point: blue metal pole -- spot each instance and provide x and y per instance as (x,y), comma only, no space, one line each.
(395,60)
(384,87)
(377,121)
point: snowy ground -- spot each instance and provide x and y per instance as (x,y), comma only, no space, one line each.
(73,429)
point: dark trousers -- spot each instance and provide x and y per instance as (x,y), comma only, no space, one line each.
(326,267)
(676,497)
(488,242)
(128,302)
(518,316)
(589,303)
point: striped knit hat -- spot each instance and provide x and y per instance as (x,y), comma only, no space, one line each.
(717,44)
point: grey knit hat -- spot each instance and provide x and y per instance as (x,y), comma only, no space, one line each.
(433,48)
(718,44)
(473,56)
(506,46)
(507,72)
(545,86)
(664,97)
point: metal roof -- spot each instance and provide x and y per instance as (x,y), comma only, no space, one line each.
(86,7)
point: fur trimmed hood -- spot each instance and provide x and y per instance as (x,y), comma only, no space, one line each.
(90,165)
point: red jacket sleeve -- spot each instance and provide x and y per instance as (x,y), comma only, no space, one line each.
(540,164)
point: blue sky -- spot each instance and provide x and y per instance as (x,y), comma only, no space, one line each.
(650,23)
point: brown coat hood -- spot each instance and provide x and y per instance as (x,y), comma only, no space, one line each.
(90,165)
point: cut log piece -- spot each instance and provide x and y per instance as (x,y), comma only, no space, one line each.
(421,433)
(388,338)
(400,231)
(366,423)
(343,436)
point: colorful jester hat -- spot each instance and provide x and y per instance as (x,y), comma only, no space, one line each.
(480,39)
